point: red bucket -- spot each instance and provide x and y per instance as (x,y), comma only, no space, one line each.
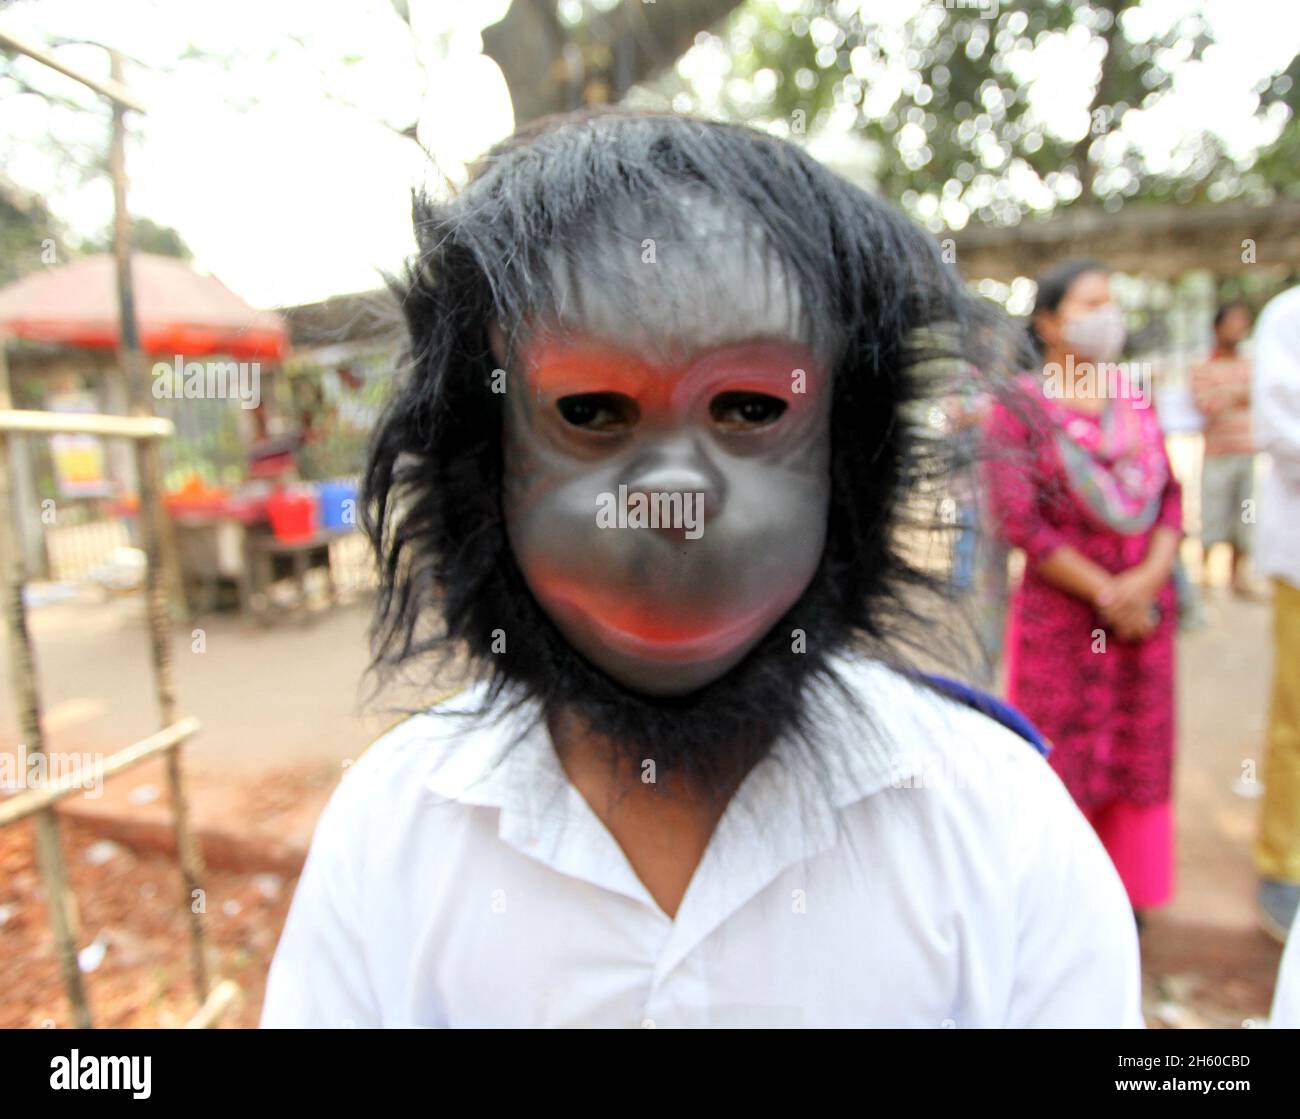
(292,514)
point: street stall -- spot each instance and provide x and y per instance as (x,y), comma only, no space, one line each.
(234,544)
(240,515)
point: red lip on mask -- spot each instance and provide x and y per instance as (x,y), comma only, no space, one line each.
(643,628)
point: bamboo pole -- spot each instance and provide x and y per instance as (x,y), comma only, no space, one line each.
(31,540)
(33,800)
(71,423)
(49,854)
(223,997)
(154,534)
(113,90)
(187,850)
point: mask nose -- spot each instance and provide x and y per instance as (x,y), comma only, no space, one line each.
(679,467)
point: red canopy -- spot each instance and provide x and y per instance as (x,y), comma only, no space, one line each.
(179,310)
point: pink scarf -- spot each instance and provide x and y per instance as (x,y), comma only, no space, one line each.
(1115,461)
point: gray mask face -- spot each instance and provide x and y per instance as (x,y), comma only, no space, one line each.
(665,511)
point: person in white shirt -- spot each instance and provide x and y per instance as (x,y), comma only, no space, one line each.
(1275,418)
(645,476)
(1285,1014)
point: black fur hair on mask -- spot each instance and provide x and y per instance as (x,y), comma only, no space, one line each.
(873,290)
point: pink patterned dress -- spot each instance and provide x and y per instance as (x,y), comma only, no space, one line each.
(1106,705)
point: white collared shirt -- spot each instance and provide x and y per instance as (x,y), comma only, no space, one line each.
(940,876)
(1285,1014)
(1275,420)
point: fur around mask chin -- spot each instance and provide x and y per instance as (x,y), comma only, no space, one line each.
(907,331)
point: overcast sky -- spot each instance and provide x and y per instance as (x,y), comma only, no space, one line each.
(272,160)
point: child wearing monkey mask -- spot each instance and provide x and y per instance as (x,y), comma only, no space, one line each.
(647,474)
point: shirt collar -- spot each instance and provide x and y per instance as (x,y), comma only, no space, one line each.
(863,744)
(772,823)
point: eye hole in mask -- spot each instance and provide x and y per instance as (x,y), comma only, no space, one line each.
(613,413)
(602,412)
(745,411)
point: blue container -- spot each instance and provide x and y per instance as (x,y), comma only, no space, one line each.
(338,504)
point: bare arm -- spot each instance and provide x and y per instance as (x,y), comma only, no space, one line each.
(1161,554)
(1071,571)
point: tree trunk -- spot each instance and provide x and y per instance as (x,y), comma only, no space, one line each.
(550,68)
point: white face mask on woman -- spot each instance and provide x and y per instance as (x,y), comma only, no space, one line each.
(1099,335)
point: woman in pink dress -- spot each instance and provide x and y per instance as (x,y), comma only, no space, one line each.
(1080,481)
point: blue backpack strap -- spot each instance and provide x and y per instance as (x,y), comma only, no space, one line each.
(991,706)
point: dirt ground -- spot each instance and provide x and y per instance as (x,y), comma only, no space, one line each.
(281,715)
(135,934)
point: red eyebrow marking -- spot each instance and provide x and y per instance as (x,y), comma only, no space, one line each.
(559,368)
(759,366)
